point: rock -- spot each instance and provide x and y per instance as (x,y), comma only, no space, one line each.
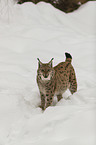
(63,5)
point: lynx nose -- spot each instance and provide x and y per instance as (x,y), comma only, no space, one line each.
(46,76)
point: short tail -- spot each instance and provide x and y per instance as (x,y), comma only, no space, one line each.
(68,57)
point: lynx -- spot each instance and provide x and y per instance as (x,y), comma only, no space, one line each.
(55,80)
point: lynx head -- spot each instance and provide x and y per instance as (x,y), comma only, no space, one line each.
(45,70)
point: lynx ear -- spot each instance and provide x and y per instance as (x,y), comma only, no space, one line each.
(39,62)
(50,63)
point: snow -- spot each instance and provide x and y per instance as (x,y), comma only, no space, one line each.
(28,32)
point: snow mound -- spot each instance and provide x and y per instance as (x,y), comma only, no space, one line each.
(28,32)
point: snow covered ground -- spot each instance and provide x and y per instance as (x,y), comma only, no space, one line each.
(29,31)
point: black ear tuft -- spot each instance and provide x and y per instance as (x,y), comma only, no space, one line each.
(39,62)
(50,63)
(38,59)
(68,55)
(52,59)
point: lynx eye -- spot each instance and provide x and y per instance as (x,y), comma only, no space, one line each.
(42,70)
(48,69)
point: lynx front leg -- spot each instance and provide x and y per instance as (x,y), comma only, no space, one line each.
(42,101)
(59,97)
(48,101)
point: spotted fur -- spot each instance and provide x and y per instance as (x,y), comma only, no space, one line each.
(55,80)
